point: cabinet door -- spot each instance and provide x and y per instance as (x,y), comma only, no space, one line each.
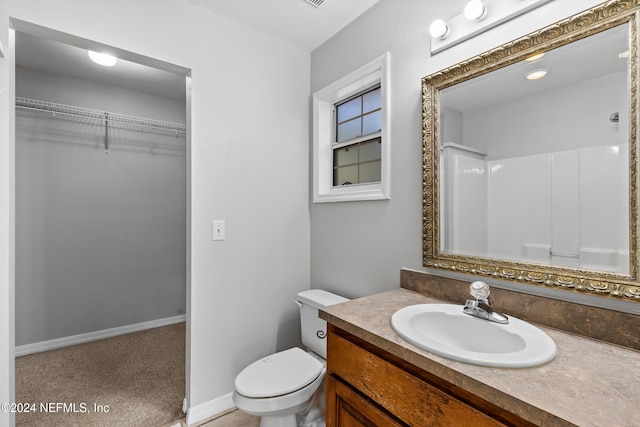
(411,400)
(347,408)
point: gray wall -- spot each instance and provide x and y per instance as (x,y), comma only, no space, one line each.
(100,239)
(358,248)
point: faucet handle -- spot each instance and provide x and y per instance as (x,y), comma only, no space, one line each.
(480,290)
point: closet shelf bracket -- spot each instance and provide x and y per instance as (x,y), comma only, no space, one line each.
(106,133)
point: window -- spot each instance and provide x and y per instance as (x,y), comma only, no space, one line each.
(351,136)
(356,148)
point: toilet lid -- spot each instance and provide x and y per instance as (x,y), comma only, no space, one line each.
(278,374)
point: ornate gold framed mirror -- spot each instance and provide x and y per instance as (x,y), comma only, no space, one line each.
(530,158)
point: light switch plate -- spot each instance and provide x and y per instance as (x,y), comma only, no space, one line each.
(218,232)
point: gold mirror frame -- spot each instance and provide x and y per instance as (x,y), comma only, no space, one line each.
(585,24)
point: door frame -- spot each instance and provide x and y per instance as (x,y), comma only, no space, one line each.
(44,32)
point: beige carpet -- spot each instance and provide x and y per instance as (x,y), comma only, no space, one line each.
(134,380)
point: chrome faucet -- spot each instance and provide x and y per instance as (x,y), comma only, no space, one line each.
(480,307)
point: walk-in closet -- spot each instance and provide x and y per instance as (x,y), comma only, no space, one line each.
(100,196)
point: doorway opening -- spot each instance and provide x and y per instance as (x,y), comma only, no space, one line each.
(101,226)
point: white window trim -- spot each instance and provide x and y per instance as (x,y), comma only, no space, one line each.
(376,71)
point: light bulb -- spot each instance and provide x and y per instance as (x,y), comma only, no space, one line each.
(103,58)
(535,57)
(537,74)
(439,29)
(475,11)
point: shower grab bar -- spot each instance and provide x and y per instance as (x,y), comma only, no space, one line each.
(566,254)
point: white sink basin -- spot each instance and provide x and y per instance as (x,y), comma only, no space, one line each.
(443,329)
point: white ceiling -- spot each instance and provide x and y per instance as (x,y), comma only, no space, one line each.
(294,22)
(582,60)
(65,60)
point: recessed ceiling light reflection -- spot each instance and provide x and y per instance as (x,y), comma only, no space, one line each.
(534,57)
(536,75)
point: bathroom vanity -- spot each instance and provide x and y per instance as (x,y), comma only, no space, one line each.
(374,377)
(369,386)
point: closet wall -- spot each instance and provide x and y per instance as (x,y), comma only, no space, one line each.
(100,238)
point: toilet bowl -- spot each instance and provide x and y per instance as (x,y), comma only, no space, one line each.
(278,387)
(285,389)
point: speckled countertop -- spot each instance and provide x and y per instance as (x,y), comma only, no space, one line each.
(589,383)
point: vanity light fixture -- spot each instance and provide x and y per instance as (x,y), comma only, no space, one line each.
(476,19)
(439,29)
(537,74)
(475,11)
(102,58)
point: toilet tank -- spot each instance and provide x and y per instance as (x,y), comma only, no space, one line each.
(313,328)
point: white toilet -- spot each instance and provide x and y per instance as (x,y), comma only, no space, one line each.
(284,389)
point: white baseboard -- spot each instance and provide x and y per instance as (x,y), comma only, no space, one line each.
(23,350)
(209,409)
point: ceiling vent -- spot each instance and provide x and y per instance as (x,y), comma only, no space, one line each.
(316,3)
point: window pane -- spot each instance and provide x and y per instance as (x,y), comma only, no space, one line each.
(370,150)
(372,123)
(349,130)
(370,172)
(349,109)
(346,155)
(371,100)
(360,162)
(346,175)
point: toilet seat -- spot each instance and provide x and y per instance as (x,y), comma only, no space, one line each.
(285,405)
(278,374)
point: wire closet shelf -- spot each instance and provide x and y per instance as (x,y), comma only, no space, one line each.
(130,122)
(101,117)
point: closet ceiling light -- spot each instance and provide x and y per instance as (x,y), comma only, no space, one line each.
(102,58)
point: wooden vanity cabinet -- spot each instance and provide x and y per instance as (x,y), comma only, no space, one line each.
(367,386)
